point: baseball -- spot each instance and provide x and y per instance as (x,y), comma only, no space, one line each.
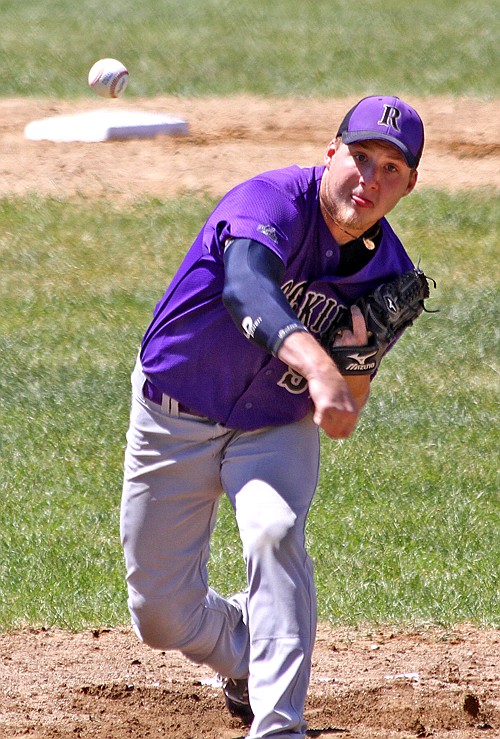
(108,78)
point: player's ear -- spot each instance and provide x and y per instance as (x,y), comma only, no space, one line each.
(330,153)
(412,181)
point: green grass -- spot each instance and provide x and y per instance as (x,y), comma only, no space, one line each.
(281,47)
(77,286)
(405,524)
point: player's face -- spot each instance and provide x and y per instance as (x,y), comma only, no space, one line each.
(363,182)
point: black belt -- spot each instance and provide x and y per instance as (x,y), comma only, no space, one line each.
(152,393)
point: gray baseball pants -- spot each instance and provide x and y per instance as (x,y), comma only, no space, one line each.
(177,466)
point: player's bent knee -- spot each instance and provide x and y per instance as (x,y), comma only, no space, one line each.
(161,625)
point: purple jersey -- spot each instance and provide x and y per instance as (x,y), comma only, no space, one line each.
(194,352)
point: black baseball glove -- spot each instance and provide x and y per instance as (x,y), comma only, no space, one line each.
(388,311)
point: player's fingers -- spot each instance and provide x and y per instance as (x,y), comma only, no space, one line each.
(337,415)
(337,425)
(359,326)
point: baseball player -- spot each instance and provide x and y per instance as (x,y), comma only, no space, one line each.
(230,389)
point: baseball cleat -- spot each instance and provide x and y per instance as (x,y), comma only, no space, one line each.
(236,697)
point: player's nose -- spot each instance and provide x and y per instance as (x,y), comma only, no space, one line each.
(370,176)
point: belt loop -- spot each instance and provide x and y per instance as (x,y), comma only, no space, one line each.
(169,405)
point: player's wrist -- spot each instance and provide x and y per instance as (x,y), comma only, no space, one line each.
(301,351)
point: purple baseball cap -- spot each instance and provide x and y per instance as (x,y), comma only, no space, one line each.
(388,119)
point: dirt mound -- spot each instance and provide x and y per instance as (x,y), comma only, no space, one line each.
(385,685)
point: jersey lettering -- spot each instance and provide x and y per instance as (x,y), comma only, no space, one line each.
(293,293)
(325,317)
(293,382)
(316,311)
(310,302)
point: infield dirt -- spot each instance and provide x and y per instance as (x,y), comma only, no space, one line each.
(230,139)
(378,684)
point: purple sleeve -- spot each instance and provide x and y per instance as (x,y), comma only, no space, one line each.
(259,211)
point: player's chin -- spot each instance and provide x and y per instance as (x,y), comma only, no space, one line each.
(365,218)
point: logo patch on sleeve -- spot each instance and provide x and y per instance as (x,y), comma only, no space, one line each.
(268,231)
(250,326)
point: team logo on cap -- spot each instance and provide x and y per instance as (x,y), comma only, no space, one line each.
(390,117)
